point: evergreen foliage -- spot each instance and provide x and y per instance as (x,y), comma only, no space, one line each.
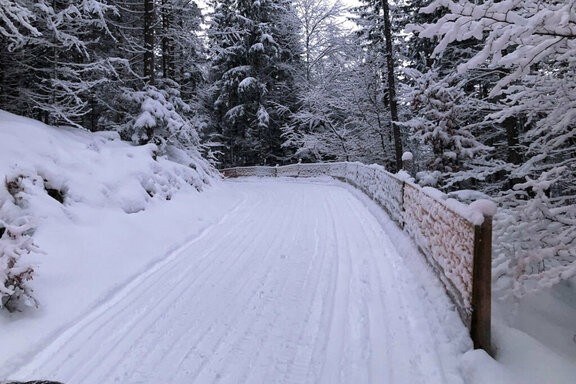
(16,241)
(255,60)
(78,63)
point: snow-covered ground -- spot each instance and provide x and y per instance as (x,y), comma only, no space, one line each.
(252,280)
(297,282)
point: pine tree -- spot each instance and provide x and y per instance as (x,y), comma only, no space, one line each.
(158,60)
(442,113)
(47,78)
(255,55)
(15,241)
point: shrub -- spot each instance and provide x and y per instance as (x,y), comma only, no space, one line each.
(16,241)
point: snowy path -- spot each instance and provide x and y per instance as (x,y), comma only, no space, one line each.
(298,284)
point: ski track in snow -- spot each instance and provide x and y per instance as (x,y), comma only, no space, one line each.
(298,284)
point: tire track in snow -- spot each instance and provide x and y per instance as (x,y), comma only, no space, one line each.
(196,286)
(216,299)
(156,309)
(402,353)
(332,369)
(277,350)
(422,353)
(298,359)
(47,355)
(296,362)
(151,308)
(237,346)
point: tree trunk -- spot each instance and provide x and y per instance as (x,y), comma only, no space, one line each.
(167,48)
(392,85)
(513,155)
(149,40)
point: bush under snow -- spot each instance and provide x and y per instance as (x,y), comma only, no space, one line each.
(16,241)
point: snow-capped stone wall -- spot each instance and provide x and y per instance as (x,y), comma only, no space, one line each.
(446,239)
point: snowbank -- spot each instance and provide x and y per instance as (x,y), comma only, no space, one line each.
(102,210)
(96,169)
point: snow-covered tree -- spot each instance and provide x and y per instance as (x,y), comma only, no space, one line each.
(158,62)
(442,112)
(342,114)
(535,245)
(532,46)
(48,74)
(377,21)
(183,55)
(536,43)
(255,53)
(158,114)
(321,27)
(16,229)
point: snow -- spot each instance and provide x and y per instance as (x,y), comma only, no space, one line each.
(266,38)
(258,47)
(105,231)
(544,324)
(468,195)
(482,208)
(428,178)
(246,84)
(533,338)
(263,117)
(146,119)
(96,169)
(309,290)
(406,156)
(443,228)
(520,360)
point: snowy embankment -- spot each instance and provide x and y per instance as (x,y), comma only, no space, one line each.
(113,223)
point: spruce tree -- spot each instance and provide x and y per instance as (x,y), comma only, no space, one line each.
(46,72)
(255,50)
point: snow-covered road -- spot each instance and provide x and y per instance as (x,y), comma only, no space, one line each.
(299,283)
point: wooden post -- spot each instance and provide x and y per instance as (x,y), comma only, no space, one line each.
(482,286)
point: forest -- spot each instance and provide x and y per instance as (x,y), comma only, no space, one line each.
(482,93)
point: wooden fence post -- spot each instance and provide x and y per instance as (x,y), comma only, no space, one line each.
(482,286)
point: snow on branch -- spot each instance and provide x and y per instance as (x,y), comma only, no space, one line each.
(517,34)
(16,23)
